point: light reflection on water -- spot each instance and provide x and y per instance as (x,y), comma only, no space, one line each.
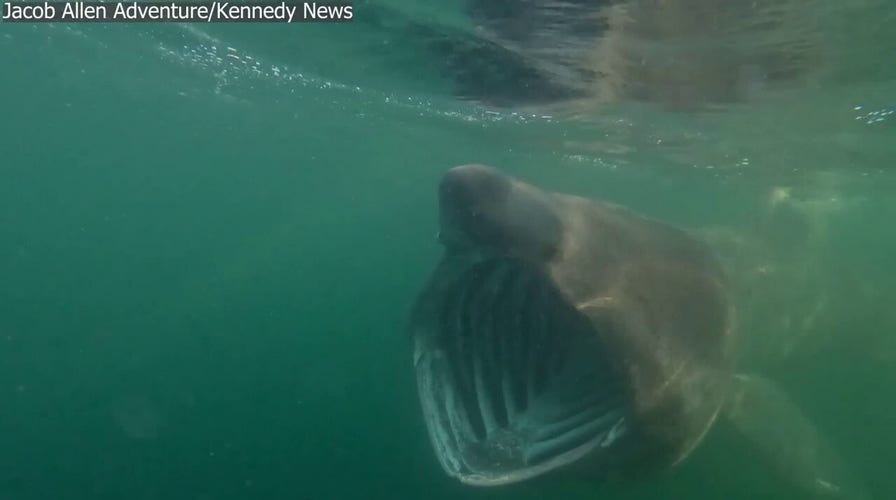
(728,89)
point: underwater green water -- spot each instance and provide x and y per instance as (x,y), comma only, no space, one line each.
(206,268)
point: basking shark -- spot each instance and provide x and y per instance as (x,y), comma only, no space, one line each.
(559,331)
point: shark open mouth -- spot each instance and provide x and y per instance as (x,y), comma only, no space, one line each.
(513,380)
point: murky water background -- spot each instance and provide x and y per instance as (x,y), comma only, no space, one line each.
(210,236)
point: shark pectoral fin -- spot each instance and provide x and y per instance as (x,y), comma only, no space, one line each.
(767,417)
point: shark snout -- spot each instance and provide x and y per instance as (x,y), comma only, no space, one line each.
(470,205)
(482,207)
